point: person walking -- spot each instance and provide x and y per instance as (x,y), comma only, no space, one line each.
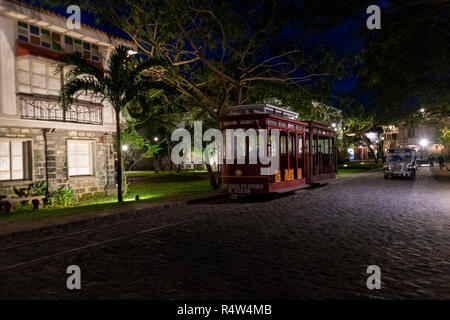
(431,159)
(441,162)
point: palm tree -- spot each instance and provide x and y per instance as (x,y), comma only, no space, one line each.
(122,84)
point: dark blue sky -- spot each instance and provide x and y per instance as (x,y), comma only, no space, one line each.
(345,38)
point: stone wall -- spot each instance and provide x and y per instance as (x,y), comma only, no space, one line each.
(103,178)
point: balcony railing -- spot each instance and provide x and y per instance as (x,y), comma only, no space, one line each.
(41,107)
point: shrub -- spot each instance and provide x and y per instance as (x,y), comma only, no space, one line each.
(63,197)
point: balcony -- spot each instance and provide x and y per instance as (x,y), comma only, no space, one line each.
(48,108)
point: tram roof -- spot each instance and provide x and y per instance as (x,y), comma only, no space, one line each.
(262,109)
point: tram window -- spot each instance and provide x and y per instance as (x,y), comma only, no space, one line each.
(283,144)
(323,145)
(314,144)
(300,145)
(307,142)
(273,145)
(240,148)
(252,149)
(290,146)
(224,147)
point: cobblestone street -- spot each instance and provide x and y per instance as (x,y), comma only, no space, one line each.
(315,244)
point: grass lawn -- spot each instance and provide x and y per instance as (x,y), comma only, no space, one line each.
(357,167)
(155,187)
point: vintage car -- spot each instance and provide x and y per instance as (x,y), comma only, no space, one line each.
(400,162)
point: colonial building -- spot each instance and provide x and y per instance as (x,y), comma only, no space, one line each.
(39,141)
(419,137)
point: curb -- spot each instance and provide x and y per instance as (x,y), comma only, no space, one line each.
(111,217)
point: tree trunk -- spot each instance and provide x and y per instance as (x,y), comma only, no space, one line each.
(370,148)
(212,176)
(169,149)
(119,157)
(156,164)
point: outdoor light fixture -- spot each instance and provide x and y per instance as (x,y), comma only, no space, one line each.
(131,52)
(424,142)
(333,125)
(155,138)
(125,147)
(422,110)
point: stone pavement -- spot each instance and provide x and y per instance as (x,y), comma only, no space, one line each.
(315,244)
(14,228)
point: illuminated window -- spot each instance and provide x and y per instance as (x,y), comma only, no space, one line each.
(15,159)
(283,144)
(80,157)
(290,145)
(300,145)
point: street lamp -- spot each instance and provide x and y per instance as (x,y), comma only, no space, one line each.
(422,110)
(124,147)
(155,138)
(424,142)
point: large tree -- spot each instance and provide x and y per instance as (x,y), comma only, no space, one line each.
(221,53)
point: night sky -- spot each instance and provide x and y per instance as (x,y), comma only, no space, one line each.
(345,38)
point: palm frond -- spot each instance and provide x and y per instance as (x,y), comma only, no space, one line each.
(80,66)
(87,84)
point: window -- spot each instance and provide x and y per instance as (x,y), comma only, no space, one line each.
(77,46)
(36,76)
(55,41)
(15,159)
(80,157)
(323,145)
(45,38)
(307,143)
(22,29)
(290,145)
(283,144)
(314,144)
(300,145)
(95,53)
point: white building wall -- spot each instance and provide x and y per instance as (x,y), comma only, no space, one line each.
(33,75)
(7,68)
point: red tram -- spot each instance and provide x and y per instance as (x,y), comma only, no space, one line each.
(306,151)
